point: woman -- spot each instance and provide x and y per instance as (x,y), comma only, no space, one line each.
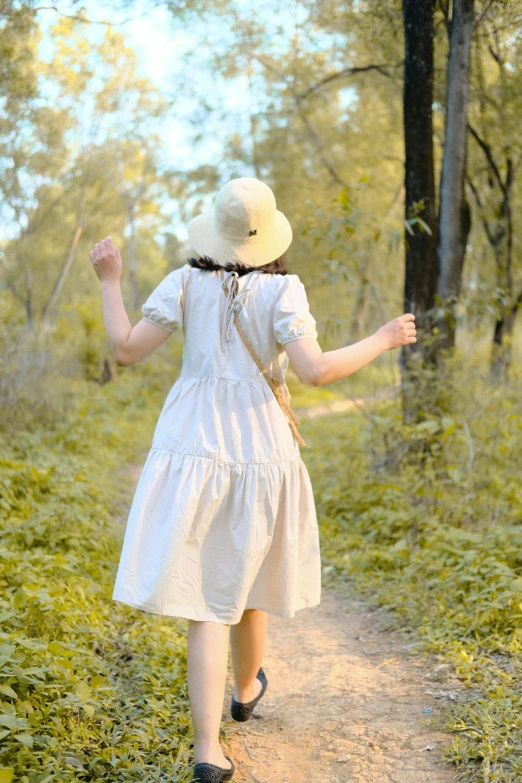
(222,529)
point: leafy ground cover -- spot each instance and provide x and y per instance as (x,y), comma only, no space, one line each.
(89,689)
(427,521)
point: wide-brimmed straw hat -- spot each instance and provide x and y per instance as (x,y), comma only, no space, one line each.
(243,225)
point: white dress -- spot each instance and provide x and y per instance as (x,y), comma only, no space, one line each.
(223,518)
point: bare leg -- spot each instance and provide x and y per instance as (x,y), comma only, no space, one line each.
(248,639)
(206,674)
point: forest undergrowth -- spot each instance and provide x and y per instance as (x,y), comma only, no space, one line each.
(423,519)
(90,689)
(426,520)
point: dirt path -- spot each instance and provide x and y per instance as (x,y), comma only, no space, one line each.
(348,699)
(341,406)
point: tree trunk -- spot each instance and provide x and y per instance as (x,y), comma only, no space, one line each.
(66,266)
(502,337)
(133,272)
(254,126)
(359,306)
(64,271)
(500,237)
(132,200)
(454,215)
(421,249)
(28,301)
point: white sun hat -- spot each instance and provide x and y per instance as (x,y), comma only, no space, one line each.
(244,225)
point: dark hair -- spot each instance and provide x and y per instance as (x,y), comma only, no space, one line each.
(276,267)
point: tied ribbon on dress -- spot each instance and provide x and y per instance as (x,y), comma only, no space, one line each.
(233,306)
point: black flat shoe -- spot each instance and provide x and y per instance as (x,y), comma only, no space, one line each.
(242,711)
(204,772)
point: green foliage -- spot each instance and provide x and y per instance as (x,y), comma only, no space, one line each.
(18,41)
(89,688)
(426,519)
(80,160)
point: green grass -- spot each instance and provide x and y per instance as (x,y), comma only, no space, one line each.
(89,689)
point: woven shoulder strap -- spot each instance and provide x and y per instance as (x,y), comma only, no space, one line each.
(274,383)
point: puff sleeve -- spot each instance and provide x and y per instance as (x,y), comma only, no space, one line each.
(164,307)
(292,317)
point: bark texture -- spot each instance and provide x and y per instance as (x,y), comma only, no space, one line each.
(454,215)
(421,249)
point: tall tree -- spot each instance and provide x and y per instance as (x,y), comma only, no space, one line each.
(496,155)
(421,249)
(454,212)
(59,196)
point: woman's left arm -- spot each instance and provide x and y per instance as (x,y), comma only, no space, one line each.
(128,344)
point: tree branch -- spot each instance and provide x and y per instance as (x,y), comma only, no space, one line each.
(316,141)
(344,73)
(68,261)
(518,301)
(86,20)
(480,205)
(485,11)
(486,149)
(310,130)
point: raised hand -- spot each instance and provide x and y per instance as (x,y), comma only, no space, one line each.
(400,331)
(106,260)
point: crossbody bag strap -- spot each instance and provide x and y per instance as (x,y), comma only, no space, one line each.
(274,383)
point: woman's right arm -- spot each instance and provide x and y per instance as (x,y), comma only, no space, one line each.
(128,344)
(317,368)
